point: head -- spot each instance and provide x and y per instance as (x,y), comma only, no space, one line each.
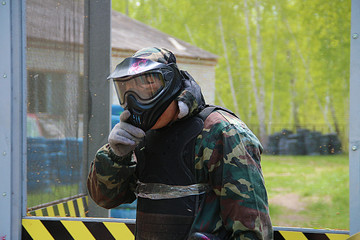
(146,84)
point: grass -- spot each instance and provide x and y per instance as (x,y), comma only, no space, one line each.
(308,191)
(51,193)
(304,191)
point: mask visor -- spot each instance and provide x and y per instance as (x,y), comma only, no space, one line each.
(144,87)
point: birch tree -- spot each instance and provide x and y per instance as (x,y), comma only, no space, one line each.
(228,67)
(253,40)
(258,90)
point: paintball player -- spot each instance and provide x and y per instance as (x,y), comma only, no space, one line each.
(194,168)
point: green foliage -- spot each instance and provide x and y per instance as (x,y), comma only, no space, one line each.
(301,53)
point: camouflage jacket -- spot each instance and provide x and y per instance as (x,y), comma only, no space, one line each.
(227,156)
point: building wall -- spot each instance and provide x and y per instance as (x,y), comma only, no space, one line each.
(55,93)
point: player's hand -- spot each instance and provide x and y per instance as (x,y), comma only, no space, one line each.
(124,137)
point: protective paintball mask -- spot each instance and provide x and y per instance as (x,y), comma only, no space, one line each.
(146,88)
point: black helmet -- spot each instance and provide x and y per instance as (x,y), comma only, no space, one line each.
(146,84)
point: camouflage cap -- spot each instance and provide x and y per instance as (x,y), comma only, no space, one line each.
(160,55)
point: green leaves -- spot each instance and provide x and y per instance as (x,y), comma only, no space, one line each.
(300,53)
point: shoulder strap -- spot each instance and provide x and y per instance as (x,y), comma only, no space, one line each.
(208,109)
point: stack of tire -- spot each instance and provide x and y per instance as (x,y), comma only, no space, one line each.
(303,142)
(38,165)
(53,161)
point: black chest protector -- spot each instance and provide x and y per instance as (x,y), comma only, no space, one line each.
(167,156)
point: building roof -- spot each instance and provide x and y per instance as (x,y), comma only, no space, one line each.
(55,21)
(131,35)
(63,22)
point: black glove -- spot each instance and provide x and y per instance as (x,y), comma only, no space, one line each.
(124,137)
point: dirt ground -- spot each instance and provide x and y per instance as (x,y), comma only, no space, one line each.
(293,204)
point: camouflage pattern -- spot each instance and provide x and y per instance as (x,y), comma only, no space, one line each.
(160,55)
(191,94)
(188,98)
(227,156)
(112,179)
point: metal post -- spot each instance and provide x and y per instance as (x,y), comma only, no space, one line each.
(354,134)
(12,117)
(97,56)
(5,120)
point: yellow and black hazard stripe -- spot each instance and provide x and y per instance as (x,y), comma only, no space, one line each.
(355,236)
(77,207)
(295,235)
(62,228)
(33,229)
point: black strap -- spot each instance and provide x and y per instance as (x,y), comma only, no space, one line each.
(208,109)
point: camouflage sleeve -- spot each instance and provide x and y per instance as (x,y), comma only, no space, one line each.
(229,159)
(111,179)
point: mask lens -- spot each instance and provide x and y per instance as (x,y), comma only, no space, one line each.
(145,86)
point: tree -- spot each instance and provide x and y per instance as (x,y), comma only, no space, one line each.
(286,62)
